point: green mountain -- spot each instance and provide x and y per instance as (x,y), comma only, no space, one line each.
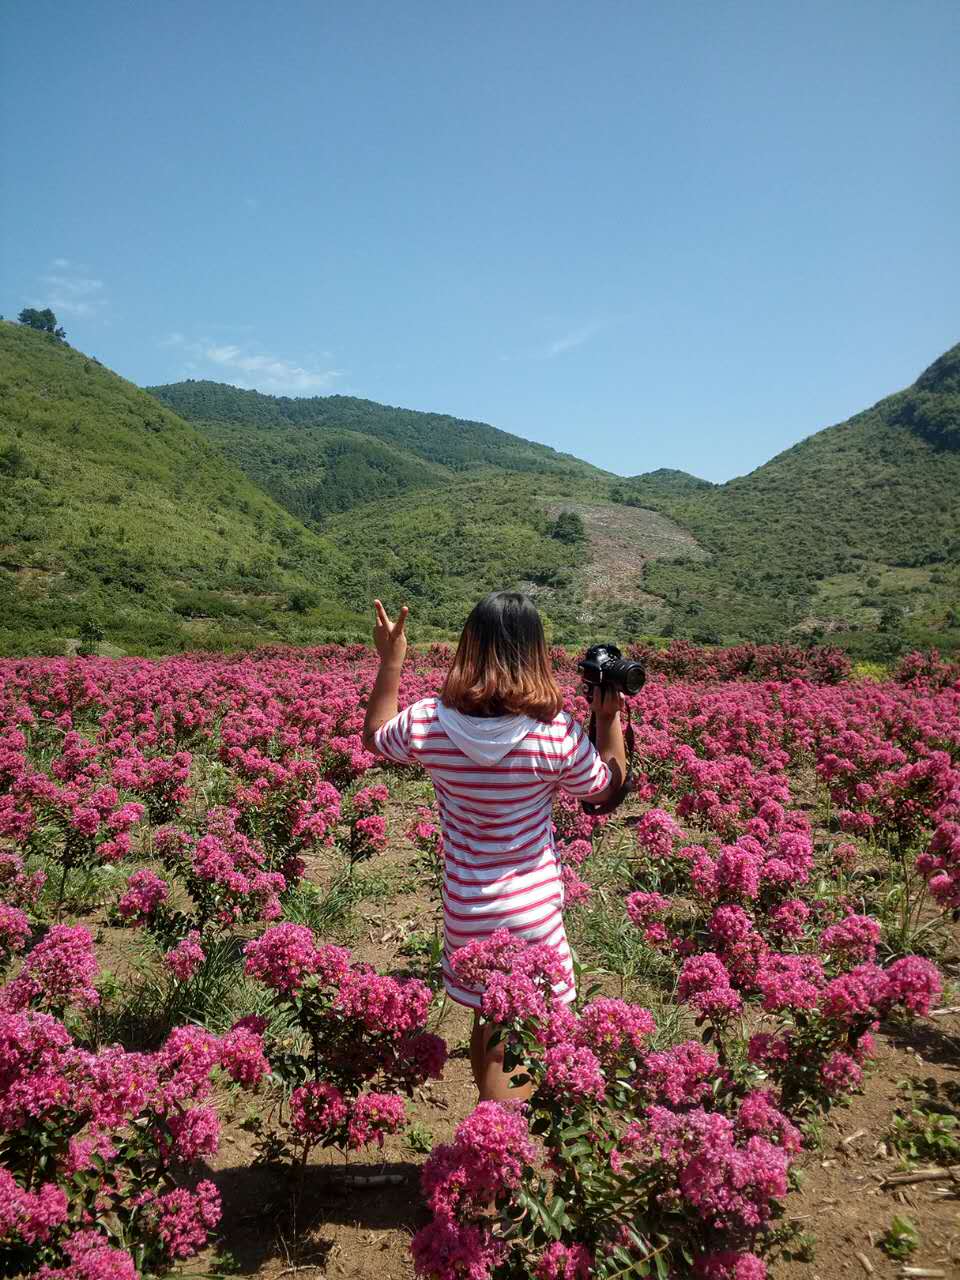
(436,510)
(854,532)
(265,518)
(114,511)
(315,471)
(452,443)
(636,491)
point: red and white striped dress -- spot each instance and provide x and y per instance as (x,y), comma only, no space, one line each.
(500,866)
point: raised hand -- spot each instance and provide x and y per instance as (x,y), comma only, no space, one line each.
(388,636)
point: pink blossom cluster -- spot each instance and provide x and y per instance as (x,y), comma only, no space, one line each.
(517,978)
(939,864)
(57,973)
(82,1108)
(101,760)
(186,957)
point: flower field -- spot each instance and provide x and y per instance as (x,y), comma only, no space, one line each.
(224,1044)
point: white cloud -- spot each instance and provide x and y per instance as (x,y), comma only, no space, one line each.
(250,367)
(569,341)
(270,373)
(70,289)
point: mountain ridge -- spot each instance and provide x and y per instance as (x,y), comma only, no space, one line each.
(280,518)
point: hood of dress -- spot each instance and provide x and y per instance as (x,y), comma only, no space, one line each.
(485,739)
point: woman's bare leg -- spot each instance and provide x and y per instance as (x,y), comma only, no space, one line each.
(493,1083)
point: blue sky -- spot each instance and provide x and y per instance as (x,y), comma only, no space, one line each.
(652,234)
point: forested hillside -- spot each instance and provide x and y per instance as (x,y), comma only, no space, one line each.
(117,517)
(454,443)
(273,518)
(117,514)
(315,471)
(635,491)
(854,531)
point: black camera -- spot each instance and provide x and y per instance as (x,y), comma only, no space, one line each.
(605,665)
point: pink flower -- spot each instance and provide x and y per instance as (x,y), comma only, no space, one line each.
(426,1054)
(644,907)
(195,1133)
(573,1074)
(564,1262)
(186,957)
(840,1074)
(86,821)
(31,1215)
(370,833)
(730,1185)
(282,957)
(682,1075)
(915,983)
(574,852)
(789,919)
(575,890)
(60,969)
(242,1056)
(613,1029)
(448,1250)
(486,1160)
(858,995)
(145,892)
(656,832)
(758,1113)
(730,924)
(14,931)
(91,1258)
(705,983)
(789,982)
(940,865)
(729,1265)
(854,938)
(370,799)
(317,1110)
(182,1220)
(372,1116)
(384,1004)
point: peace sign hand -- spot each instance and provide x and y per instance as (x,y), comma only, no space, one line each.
(388,637)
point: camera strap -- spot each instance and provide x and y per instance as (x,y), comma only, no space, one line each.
(626,787)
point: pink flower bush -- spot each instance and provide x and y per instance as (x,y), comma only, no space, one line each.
(14,932)
(145,892)
(282,958)
(705,984)
(940,865)
(317,1109)
(186,957)
(57,973)
(227,772)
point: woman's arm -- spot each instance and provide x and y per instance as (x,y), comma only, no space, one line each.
(391,645)
(610,745)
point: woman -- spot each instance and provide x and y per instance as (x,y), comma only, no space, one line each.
(496,745)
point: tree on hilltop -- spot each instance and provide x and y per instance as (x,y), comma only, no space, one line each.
(43,320)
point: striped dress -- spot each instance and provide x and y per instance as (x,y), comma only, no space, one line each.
(499,862)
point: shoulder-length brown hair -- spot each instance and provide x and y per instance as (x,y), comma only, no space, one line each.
(501,665)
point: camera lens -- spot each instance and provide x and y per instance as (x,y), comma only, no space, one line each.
(630,676)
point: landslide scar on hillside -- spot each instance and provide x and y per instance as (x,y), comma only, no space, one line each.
(622,540)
